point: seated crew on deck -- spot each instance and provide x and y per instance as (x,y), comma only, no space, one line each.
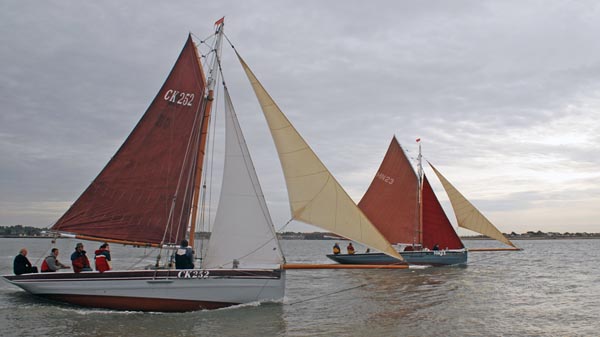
(79,260)
(21,264)
(336,249)
(102,258)
(350,249)
(184,257)
(51,263)
(436,247)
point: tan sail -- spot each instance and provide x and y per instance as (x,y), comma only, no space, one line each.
(315,196)
(467,215)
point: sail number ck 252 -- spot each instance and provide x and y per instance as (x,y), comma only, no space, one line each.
(178,97)
(201,274)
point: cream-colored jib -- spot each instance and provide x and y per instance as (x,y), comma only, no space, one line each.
(315,196)
(467,215)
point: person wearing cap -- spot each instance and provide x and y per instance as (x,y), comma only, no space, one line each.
(184,257)
(79,260)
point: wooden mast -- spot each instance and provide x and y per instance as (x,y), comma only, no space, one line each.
(212,79)
(420,197)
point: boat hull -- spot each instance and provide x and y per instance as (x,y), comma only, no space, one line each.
(163,290)
(432,258)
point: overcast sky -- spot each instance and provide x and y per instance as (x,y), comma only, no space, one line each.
(505,95)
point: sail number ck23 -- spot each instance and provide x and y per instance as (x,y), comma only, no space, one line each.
(178,97)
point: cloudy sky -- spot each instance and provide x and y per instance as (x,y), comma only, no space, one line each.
(505,95)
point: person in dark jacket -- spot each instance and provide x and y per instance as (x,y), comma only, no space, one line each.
(336,249)
(21,264)
(184,257)
(79,260)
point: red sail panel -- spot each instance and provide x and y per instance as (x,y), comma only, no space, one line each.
(145,191)
(391,200)
(437,229)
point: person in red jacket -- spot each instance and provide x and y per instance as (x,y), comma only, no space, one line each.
(79,260)
(102,258)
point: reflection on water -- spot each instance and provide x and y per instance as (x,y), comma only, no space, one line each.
(549,289)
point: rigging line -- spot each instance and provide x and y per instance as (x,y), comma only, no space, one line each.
(284,226)
(169,225)
(206,212)
(203,41)
(142,258)
(329,294)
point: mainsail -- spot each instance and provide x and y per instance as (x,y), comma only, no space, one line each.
(391,204)
(243,230)
(144,193)
(391,200)
(315,196)
(467,215)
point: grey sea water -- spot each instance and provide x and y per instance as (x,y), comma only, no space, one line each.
(552,288)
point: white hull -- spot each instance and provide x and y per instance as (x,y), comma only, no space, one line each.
(174,290)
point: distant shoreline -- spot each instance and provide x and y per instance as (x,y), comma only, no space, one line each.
(296,237)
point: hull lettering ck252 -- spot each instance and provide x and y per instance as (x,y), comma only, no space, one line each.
(201,274)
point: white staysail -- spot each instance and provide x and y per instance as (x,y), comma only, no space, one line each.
(467,215)
(315,196)
(243,230)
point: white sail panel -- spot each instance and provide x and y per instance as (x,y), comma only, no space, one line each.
(467,215)
(243,230)
(315,196)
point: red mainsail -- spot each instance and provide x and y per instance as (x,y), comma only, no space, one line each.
(391,200)
(144,193)
(391,205)
(437,229)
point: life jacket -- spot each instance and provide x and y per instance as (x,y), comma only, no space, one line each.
(45,267)
(101,261)
(350,249)
(336,250)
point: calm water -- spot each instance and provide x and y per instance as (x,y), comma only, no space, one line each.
(552,288)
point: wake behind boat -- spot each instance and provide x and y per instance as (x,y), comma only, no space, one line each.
(402,205)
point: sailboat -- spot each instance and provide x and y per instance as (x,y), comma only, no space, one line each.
(403,206)
(148,195)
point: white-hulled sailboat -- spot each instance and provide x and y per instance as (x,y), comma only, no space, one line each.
(148,195)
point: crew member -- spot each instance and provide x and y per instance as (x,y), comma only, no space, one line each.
(51,263)
(184,257)
(79,260)
(21,264)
